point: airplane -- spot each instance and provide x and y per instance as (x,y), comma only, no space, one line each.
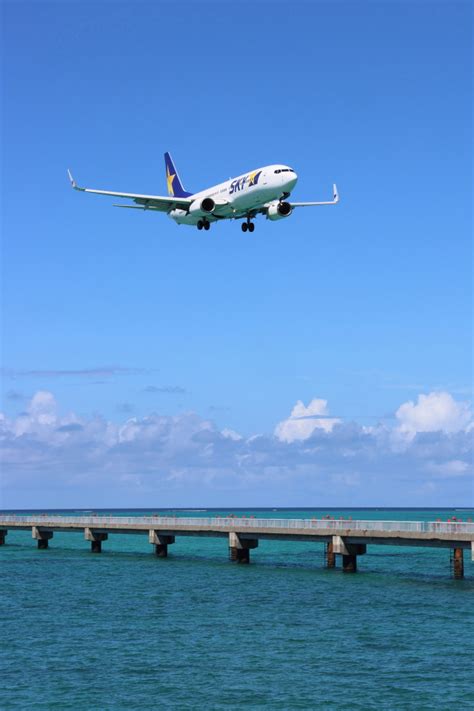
(263,191)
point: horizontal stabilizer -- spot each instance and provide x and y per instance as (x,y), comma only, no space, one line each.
(135,207)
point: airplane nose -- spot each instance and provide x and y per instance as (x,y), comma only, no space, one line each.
(292,182)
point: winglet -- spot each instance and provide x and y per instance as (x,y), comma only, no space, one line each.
(335,193)
(73,182)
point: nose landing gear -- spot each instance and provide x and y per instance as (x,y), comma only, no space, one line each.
(203,224)
(247,226)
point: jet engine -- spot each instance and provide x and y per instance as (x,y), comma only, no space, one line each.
(203,207)
(277,210)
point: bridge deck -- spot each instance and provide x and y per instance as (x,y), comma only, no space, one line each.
(411,533)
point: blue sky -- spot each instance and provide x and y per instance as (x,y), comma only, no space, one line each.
(125,315)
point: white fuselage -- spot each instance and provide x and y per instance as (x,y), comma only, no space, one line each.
(242,196)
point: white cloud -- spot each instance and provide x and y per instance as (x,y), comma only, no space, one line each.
(231,434)
(453,467)
(43,406)
(435,412)
(53,459)
(303,421)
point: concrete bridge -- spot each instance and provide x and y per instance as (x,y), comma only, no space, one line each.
(342,538)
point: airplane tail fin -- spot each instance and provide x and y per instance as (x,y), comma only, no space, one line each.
(175,186)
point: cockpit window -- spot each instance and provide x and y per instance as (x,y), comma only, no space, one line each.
(284,170)
(278,171)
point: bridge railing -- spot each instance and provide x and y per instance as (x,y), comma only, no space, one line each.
(234,522)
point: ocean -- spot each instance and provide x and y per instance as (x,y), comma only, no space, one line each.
(126,630)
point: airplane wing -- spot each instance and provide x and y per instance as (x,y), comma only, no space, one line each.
(334,201)
(143,202)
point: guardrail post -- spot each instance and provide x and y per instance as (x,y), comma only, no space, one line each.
(96,538)
(161,542)
(43,537)
(239,548)
(458,563)
(3,534)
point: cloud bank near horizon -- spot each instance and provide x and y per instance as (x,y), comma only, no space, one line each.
(423,459)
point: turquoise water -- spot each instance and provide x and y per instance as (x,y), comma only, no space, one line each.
(125,630)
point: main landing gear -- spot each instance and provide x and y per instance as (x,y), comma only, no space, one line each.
(247,226)
(203,224)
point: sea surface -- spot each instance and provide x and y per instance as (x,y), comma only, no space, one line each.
(126,630)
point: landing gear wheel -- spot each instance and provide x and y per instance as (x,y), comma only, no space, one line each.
(251,227)
(244,226)
(207,225)
(200,224)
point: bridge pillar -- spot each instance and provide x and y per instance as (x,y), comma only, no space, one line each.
(239,548)
(161,542)
(458,563)
(349,552)
(96,538)
(43,537)
(349,563)
(3,534)
(330,555)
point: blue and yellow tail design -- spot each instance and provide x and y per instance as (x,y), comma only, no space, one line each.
(175,186)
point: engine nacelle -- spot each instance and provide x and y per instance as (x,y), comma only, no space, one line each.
(203,207)
(278,210)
